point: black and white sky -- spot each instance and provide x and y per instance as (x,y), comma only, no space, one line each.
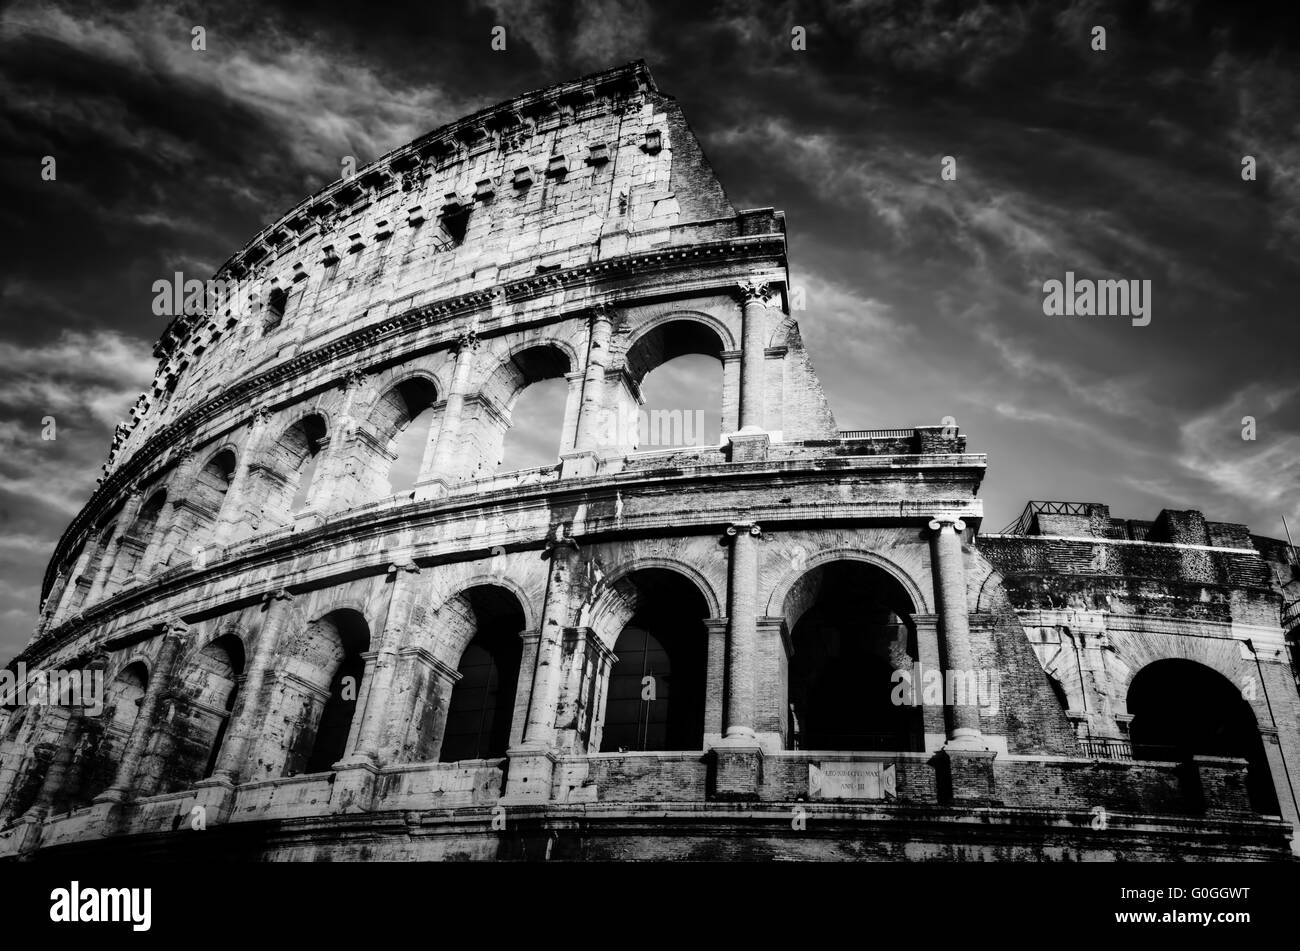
(924,297)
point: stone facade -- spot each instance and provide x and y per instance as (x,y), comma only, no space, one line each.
(303,663)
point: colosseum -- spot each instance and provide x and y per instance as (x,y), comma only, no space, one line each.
(795,642)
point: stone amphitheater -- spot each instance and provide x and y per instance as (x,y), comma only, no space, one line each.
(795,642)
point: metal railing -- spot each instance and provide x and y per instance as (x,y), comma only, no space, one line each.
(877,433)
(1022,524)
(1101,748)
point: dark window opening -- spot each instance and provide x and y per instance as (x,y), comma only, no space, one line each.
(482,701)
(1182,709)
(656,690)
(852,630)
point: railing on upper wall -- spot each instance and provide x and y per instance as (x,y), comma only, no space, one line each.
(1022,524)
(877,433)
(1100,748)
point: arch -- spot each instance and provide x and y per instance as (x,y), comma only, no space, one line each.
(281,479)
(524,365)
(851,629)
(400,420)
(656,688)
(484,623)
(783,331)
(327,668)
(489,417)
(486,578)
(669,336)
(718,326)
(1182,708)
(776,603)
(125,693)
(209,686)
(602,607)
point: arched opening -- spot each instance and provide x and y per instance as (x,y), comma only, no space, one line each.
(143,536)
(125,695)
(656,691)
(676,371)
(281,480)
(482,702)
(683,405)
(1181,709)
(534,436)
(100,565)
(212,484)
(330,661)
(851,629)
(210,685)
(307,438)
(402,419)
(536,427)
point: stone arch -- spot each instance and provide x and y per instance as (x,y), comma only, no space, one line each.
(480,628)
(125,691)
(601,608)
(525,598)
(488,415)
(784,331)
(649,689)
(776,602)
(196,512)
(322,671)
(208,686)
(1183,708)
(284,472)
(851,627)
(404,402)
(637,333)
(1138,652)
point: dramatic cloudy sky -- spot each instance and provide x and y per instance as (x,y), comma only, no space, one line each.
(924,297)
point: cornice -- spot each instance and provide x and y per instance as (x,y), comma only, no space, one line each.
(260,551)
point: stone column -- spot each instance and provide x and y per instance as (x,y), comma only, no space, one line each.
(754,296)
(715,679)
(742,642)
(532,763)
(949,571)
(245,720)
(174,638)
(449,432)
(402,591)
(539,728)
(929,656)
(592,412)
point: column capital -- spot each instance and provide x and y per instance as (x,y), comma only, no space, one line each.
(753,290)
(741,528)
(281,594)
(944,521)
(466,339)
(174,628)
(260,416)
(355,379)
(396,569)
(601,312)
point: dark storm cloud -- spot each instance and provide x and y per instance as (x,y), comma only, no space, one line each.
(924,297)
